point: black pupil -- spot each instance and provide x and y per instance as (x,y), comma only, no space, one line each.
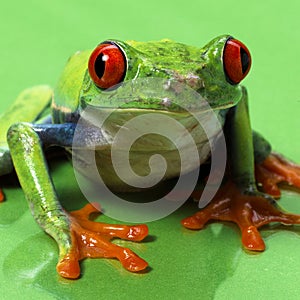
(99,65)
(244,60)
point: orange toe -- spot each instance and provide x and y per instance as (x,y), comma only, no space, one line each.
(1,196)
(249,212)
(274,170)
(93,239)
(252,240)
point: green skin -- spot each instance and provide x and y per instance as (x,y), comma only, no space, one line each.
(200,68)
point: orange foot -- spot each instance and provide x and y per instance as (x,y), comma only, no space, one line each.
(92,239)
(1,196)
(274,170)
(249,212)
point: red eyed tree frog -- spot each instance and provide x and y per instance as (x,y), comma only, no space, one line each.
(214,71)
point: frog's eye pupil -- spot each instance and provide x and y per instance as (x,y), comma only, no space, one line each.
(245,60)
(107,65)
(236,61)
(99,65)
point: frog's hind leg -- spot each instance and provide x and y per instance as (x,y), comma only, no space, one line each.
(6,165)
(28,106)
(274,170)
(271,168)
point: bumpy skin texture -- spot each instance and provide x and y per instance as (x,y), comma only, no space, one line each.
(201,69)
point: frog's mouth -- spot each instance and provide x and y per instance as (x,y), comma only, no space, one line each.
(138,106)
(152,94)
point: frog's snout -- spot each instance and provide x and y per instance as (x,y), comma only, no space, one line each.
(236,61)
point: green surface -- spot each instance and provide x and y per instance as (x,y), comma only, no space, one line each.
(36,39)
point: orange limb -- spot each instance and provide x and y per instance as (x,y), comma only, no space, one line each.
(274,170)
(1,196)
(92,239)
(249,212)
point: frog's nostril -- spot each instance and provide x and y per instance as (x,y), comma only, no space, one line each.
(236,61)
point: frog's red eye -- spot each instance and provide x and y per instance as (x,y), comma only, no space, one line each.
(107,65)
(236,60)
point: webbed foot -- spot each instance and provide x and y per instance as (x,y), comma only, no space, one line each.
(249,212)
(274,170)
(92,239)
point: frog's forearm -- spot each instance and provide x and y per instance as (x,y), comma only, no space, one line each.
(76,236)
(62,135)
(240,145)
(29,162)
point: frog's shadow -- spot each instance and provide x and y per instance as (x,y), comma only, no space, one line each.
(272,229)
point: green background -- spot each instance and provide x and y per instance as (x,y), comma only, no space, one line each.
(36,39)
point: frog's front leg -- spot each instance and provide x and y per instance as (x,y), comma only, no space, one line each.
(239,200)
(76,236)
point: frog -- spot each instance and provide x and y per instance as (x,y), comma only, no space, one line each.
(42,117)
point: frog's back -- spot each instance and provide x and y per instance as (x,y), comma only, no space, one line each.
(66,96)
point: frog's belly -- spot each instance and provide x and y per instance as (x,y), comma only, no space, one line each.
(140,154)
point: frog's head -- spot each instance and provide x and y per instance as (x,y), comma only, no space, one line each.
(214,71)
(226,62)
